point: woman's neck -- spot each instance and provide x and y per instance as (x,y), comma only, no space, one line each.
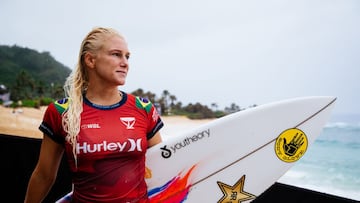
(104,97)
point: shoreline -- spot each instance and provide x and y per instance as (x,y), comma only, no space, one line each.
(25,122)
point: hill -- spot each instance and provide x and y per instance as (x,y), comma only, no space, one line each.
(41,67)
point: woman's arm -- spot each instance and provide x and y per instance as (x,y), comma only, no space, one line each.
(44,174)
(156,139)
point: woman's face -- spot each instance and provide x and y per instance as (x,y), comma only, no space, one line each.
(111,62)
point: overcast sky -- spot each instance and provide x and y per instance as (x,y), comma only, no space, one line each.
(228,51)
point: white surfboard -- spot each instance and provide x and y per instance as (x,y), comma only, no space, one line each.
(237,157)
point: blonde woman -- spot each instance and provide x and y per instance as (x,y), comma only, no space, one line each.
(103,131)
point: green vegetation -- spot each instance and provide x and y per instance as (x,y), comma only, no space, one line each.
(167,105)
(35,79)
(29,74)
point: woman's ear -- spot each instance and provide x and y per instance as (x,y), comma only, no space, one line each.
(89,60)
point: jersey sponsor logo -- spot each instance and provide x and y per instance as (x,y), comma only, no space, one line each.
(291,145)
(129,122)
(130,145)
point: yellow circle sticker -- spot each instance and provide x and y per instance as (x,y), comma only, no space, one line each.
(291,145)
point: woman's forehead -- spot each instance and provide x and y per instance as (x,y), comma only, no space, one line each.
(116,43)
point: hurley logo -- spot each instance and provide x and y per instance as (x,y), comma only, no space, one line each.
(129,122)
(130,145)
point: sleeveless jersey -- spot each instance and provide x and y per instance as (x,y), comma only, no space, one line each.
(111,148)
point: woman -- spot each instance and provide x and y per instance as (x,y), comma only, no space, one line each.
(103,131)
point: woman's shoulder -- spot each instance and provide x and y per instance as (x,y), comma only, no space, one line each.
(140,102)
(60,105)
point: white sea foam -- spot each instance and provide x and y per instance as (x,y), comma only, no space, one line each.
(343,125)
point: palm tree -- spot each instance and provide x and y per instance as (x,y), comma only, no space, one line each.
(139,92)
(214,106)
(172,99)
(165,96)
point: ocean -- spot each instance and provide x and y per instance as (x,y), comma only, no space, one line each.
(332,163)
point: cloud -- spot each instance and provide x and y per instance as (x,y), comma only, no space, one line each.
(209,51)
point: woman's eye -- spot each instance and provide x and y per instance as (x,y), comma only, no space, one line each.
(119,54)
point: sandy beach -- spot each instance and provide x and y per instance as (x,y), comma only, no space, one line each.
(25,122)
(21,121)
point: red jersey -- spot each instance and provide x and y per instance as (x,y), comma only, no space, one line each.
(111,148)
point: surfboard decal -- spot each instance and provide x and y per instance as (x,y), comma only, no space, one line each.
(235,193)
(291,145)
(168,151)
(175,190)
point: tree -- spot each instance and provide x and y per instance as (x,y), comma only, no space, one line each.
(172,99)
(148,95)
(164,101)
(232,109)
(214,106)
(24,87)
(199,111)
(139,92)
